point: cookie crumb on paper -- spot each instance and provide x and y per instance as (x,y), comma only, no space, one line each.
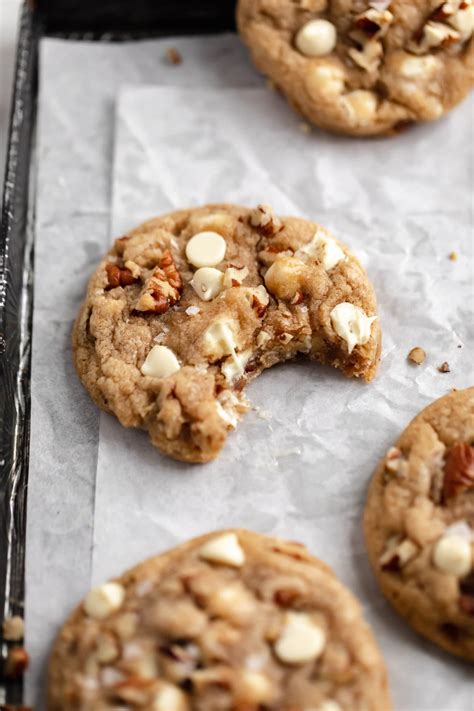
(417,355)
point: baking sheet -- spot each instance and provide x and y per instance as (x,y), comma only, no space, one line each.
(78,84)
(299,464)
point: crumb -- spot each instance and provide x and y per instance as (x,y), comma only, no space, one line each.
(453,256)
(460,345)
(173,56)
(417,355)
(13,628)
(271,85)
(192,310)
(444,367)
(305,127)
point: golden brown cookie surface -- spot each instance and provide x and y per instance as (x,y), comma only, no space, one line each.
(362,67)
(189,307)
(419,523)
(231,621)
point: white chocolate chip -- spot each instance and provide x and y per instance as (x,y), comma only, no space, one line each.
(229,417)
(160,363)
(361,106)
(419,67)
(234,276)
(234,367)
(351,324)
(219,339)
(326,80)
(207,283)
(463,21)
(329,705)
(263,338)
(453,554)
(107,649)
(224,549)
(301,640)
(104,600)
(322,247)
(169,698)
(206,249)
(255,687)
(317,38)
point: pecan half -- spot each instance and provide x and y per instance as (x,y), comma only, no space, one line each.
(162,289)
(118,276)
(458,470)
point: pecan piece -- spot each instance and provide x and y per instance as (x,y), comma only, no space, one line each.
(118,276)
(162,289)
(265,221)
(458,470)
(466,600)
(16,663)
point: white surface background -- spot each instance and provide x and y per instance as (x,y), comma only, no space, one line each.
(9,11)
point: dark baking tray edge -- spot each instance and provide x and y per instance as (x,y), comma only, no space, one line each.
(76,20)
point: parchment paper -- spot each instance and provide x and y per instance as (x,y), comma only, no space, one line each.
(78,83)
(299,465)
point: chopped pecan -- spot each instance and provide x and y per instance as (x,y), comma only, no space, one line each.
(162,289)
(118,276)
(466,588)
(16,662)
(285,597)
(458,470)
(265,221)
(120,243)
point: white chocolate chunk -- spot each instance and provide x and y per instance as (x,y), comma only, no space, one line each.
(453,555)
(463,21)
(322,247)
(316,38)
(169,698)
(255,687)
(234,367)
(301,640)
(325,80)
(160,363)
(229,418)
(419,67)
(329,705)
(207,283)
(234,276)
(219,339)
(206,249)
(104,600)
(351,324)
(263,338)
(224,549)
(192,310)
(361,106)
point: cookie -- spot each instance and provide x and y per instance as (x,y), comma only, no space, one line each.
(419,523)
(363,68)
(232,621)
(189,307)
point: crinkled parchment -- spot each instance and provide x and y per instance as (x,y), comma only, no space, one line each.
(78,85)
(298,465)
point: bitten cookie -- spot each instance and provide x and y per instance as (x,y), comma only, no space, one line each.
(187,308)
(231,621)
(363,68)
(419,523)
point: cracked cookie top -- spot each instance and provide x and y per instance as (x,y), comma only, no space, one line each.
(363,67)
(419,523)
(187,308)
(231,621)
